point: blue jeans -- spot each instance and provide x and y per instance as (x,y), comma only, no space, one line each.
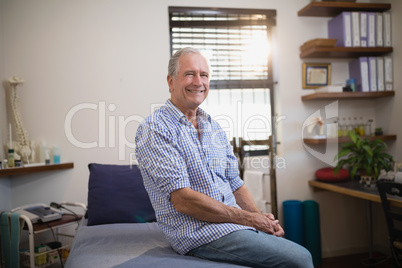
(255,249)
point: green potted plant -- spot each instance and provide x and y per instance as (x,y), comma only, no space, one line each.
(368,157)
(378,131)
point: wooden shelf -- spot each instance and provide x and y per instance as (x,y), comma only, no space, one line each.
(65,219)
(34,169)
(331,9)
(346,139)
(347,95)
(343,52)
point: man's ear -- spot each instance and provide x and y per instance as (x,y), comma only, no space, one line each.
(170,82)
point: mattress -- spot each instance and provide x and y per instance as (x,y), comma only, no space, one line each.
(129,245)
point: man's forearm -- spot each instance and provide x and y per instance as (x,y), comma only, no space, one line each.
(205,208)
(245,200)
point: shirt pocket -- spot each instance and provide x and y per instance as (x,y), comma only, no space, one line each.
(217,160)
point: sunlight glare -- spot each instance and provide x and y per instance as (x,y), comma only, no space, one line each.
(256,52)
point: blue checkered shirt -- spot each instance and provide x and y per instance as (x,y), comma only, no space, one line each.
(171,157)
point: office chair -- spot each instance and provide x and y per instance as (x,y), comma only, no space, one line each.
(393,217)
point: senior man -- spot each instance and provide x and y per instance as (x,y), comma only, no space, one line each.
(192,178)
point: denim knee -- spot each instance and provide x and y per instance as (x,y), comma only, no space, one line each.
(256,249)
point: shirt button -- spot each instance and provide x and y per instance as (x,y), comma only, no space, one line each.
(223,198)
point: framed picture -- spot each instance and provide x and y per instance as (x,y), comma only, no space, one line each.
(316,75)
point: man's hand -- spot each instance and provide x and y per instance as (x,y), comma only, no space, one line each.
(264,222)
(267,224)
(278,230)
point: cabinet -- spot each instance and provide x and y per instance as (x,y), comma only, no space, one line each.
(331,9)
(54,253)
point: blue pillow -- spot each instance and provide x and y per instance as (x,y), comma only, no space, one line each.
(116,194)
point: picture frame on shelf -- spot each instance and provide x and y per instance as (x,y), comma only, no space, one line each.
(316,75)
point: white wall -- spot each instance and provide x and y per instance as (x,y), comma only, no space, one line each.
(116,52)
(5,183)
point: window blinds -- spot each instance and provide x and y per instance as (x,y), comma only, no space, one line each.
(236,42)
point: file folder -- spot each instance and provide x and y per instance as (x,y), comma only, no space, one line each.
(358,69)
(388,74)
(387,29)
(355,29)
(363,29)
(380,74)
(371,29)
(340,27)
(372,71)
(379,30)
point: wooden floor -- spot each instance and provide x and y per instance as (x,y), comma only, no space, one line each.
(356,261)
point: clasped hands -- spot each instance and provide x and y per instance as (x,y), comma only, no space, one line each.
(267,223)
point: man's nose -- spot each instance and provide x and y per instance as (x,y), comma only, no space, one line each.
(197,81)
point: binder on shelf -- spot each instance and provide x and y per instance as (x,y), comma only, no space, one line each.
(380,74)
(379,30)
(388,74)
(371,29)
(355,16)
(372,71)
(363,29)
(387,29)
(340,27)
(358,69)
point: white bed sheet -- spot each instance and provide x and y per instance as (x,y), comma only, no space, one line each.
(129,245)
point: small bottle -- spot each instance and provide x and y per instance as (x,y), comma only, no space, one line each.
(368,127)
(350,125)
(47,157)
(11,161)
(352,84)
(42,152)
(56,155)
(17,163)
(356,126)
(339,127)
(344,127)
(361,127)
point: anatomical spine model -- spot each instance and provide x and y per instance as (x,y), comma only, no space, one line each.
(24,147)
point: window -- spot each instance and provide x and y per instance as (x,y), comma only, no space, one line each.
(237,43)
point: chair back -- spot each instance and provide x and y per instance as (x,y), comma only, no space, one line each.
(393,215)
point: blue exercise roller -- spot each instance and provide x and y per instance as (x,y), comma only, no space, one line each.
(293,220)
(312,230)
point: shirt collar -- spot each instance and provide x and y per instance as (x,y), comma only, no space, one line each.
(179,116)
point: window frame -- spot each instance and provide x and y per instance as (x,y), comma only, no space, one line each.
(270,22)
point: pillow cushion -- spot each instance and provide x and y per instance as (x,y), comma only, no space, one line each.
(327,174)
(116,194)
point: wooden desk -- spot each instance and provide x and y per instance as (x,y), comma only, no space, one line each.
(352,188)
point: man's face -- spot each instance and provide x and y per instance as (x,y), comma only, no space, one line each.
(191,86)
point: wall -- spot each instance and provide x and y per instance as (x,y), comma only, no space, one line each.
(5,183)
(108,61)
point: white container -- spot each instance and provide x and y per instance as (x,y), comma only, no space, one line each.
(42,152)
(398,177)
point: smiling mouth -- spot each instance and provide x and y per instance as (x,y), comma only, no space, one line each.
(195,91)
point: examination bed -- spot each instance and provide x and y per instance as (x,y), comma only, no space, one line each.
(120,230)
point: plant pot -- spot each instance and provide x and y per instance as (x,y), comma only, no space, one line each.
(367,182)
